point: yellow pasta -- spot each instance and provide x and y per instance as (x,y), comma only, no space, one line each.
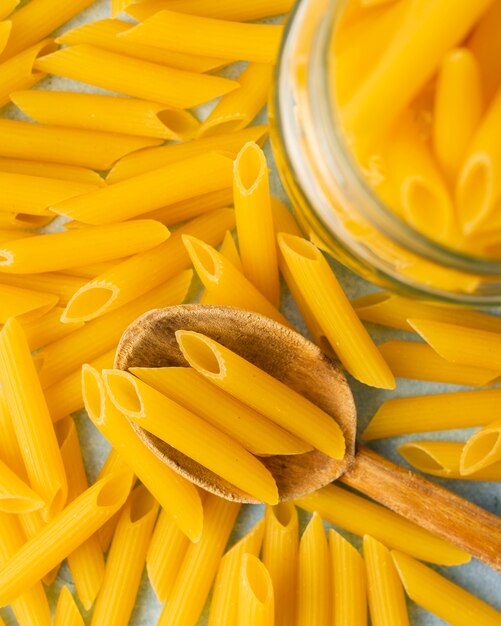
(15,495)
(384,589)
(225,597)
(69,146)
(256,606)
(190,434)
(46,329)
(65,356)
(103,34)
(126,559)
(442,458)
(444,411)
(485,45)
(280,555)
(5,28)
(60,285)
(69,529)
(24,304)
(106,113)
(313,587)
(86,562)
(229,250)
(31,419)
(256,234)
(90,271)
(7,234)
(151,190)
(247,427)
(142,272)
(410,359)
(165,555)
(254,387)
(328,303)
(237,109)
(190,592)
(71,173)
(349,599)
(22,220)
(135,77)
(361,516)
(67,613)
(440,596)
(56,251)
(203,36)
(9,446)
(482,449)
(225,284)
(7,7)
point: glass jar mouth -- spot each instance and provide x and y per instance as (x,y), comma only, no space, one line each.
(347,170)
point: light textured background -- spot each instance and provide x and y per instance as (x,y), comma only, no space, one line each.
(475,576)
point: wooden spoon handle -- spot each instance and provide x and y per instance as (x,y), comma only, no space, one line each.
(425,503)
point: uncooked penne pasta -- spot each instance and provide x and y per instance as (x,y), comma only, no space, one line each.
(67,613)
(289,409)
(134,77)
(5,29)
(174,494)
(280,556)
(69,146)
(7,7)
(151,190)
(328,303)
(482,449)
(31,419)
(70,173)
(256,605)
(60,285)
(229,250)
(486,47)
(106,113)
(22,220)
(24,304)
(202,36)
(441,597)
(384,588)
(361,516)
(15,495)
(190,592)
(47,328)
(7,234)
(256,233)
(61,250)
(248,427)
(190,434)
(126,559)
(9,446)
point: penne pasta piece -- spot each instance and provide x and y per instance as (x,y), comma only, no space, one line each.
(313,587)
(69,146)
(91,271)
(360,516)
(174,494)
(482,449)
(229,250)
(205,36)
(280,556)
(410,359)
(24,304)
(225,596)
(237,109)
(442,458)
(103,34)
(151,190)
(190,592)
(70,173)
(117,6)
(31,420)
(69,529)
(441,597)
(225,284)
(165,555)
(60,285)
(256,234)
(245,10)
(18,72)
(65,356)
(7,7)
(453,126)
(486,47)
(247,427)
(10,452)
(135,276)
(15,495)
(328,303)
(289,409)
(86,562)
(349,599)
(190,434)
(126,560)
(5,29)
(22,220)
(151,159)
(57,251)
(134,77)
(384,588)
(67,613)
(428,413)
(256,606)
(106,113)
(7,234)
(46,329)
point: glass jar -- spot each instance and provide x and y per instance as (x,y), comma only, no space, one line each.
(334,204)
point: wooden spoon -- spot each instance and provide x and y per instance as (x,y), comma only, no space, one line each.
(285,354)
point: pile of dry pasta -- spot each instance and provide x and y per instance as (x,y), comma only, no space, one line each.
(143,190)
